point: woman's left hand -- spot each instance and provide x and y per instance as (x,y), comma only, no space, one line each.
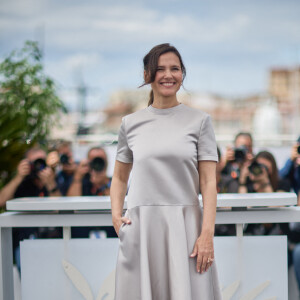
(204,250)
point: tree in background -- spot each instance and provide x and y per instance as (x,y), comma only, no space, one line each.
(29,106)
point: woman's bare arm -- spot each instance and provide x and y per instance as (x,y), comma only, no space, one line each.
(207,173)
(118,192)
(204,249)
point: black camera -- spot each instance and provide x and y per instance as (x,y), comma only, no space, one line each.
(240,153)
(298,149)
(256,168)
(37,166)
(98,164)
(64,159)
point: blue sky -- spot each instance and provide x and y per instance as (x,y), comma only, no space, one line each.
(227,46)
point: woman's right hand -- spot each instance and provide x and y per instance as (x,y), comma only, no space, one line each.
(118,223)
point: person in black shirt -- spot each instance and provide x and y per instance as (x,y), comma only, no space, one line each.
(68,166)
(90,179)
(225,184)
(262,176)
(35,178)
(236,157)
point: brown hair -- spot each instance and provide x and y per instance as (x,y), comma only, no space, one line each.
(151,61)
(246,134)
(274,175)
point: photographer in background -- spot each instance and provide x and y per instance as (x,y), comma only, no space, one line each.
(67,167)
(262,176)
(90,177)
(35,177)
(291,169)
(225,184)
(236,157)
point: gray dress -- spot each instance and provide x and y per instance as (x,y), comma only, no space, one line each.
(164,146)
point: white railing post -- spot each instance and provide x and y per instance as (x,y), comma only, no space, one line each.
(6,264)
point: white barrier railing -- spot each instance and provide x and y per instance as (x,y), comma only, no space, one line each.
(70,212)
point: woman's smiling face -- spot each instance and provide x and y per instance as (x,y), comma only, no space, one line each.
(168,77)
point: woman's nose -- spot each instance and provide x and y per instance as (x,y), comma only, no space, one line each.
(168,73)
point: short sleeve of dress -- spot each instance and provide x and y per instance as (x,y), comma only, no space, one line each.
(124,154)
(207,146)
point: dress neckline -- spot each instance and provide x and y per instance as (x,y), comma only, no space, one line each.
(164,111)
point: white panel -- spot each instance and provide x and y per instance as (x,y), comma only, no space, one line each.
(43,274)
(257,262)
(249,268)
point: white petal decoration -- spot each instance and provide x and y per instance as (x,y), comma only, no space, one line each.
(230,290)
(107,289)
(78,280)
(256,291)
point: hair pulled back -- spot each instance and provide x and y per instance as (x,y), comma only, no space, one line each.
(151,62)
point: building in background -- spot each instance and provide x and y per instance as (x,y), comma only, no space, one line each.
(284,86)
(271,115)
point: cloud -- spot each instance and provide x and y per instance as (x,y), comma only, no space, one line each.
(108,40)
(81,60)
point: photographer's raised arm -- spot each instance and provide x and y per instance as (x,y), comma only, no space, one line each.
(47,177)
(10,188)
(75,188)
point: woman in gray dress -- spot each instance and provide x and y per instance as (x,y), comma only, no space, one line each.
(166,239)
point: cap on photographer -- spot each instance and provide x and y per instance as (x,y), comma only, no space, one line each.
(90,177)
(35,177)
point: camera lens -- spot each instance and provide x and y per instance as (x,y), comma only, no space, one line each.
(240,153)
(256,168)
(38,165)
(97,164)
(64,159)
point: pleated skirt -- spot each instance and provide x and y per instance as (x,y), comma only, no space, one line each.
(154,256)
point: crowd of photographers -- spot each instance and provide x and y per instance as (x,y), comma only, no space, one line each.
(57,174)
(242,171)
(239,171)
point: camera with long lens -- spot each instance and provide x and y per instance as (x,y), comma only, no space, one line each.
(98,164)
(64,159)
(240,153)
(256,168)
(37,166)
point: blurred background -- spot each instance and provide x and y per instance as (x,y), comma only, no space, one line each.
(242,61)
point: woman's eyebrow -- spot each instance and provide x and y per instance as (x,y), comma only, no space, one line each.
(174,66)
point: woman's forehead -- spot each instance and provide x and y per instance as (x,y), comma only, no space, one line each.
(168,58)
